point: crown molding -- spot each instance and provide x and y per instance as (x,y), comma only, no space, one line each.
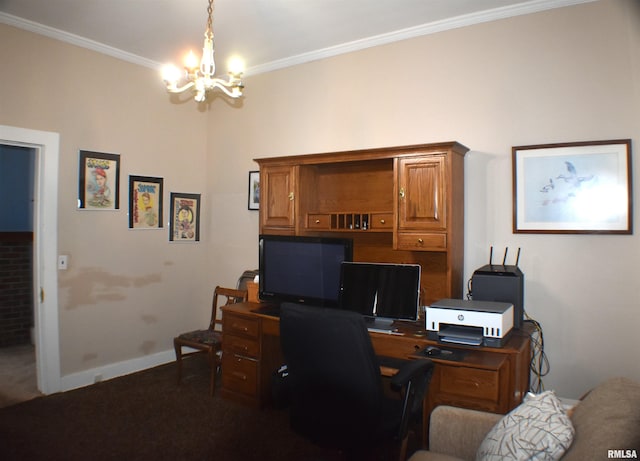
(529,7)
(77,40)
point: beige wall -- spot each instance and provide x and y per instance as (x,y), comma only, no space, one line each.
(563,75)
(126,293)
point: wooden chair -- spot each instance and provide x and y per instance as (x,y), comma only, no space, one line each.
(209,340)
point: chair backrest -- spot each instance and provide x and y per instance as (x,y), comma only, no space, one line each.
(334,377)
(230,295)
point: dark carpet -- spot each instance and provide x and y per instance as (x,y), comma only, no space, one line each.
(147,416)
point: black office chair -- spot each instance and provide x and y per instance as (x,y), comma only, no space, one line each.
(335,389)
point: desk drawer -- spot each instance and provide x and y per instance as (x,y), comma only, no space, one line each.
(470,382)
(238,325)
(381,221)
(319,221)
(421,242)
(240,374)
(237,345)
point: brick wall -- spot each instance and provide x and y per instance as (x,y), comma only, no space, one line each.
(16,288)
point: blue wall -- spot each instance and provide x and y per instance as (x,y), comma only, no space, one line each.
(16,188)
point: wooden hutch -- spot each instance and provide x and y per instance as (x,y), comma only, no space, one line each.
(398,204)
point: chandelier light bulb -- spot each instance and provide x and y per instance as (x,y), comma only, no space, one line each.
(171,74)
(191,61)
(236,66)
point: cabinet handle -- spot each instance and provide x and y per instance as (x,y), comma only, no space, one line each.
(402,192)
(317,221)
(382,221)
(420,241)
(241,376)
(290,196)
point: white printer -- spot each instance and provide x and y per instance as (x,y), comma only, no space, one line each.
(472,323)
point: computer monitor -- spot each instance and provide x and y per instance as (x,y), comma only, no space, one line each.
(302,269)
(382,292)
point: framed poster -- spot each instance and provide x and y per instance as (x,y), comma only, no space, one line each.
(573,188)
(254,190)
(99,181)
(185,217)
(145,202)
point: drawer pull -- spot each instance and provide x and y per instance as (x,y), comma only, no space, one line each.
(241,376)
(469,383)
(382,221)
(317,221)
(420,241)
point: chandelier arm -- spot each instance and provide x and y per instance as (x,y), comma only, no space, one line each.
(228,84)
(226,88)
(182,89)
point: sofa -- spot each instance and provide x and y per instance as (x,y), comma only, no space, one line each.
(604,424)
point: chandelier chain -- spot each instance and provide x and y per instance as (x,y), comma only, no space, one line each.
(209,32)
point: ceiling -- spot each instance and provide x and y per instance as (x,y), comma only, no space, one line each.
(266,34)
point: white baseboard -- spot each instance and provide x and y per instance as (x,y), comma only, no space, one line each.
(113,370)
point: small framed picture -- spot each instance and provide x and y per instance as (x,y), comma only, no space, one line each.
(254,190)
(185,217)
(99,181)
(573,188)
(145,202)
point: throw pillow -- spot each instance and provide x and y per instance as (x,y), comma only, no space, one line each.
(538,429)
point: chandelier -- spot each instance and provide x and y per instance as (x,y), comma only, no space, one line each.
(201,77)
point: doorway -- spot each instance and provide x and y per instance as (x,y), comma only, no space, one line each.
(17,347)
(45,148)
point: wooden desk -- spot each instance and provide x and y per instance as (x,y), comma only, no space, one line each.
(490,379)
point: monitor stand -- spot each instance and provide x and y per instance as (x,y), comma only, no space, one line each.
(382,324)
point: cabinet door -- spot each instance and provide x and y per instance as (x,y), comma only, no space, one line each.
(277,184)
(422,193)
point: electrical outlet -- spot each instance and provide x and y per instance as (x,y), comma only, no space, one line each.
(63,262)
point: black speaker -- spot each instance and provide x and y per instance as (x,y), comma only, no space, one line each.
(502,283)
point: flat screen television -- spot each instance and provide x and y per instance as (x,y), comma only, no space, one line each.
(302,269)
(381,292)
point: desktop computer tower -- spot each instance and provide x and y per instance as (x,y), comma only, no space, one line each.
(502,283)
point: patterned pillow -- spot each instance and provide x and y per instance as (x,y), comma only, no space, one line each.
(538,429)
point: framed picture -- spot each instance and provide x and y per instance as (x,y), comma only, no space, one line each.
(254,190)
(99,181)
(185,217)
(573,188)
(145,202)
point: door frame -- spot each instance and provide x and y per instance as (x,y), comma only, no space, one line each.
(45,283)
